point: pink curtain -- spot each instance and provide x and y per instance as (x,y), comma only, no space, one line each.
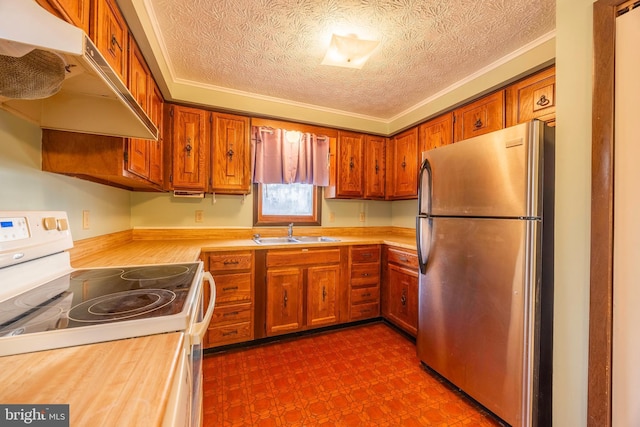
(280,156)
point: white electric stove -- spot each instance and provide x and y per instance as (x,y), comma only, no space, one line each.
(46,304)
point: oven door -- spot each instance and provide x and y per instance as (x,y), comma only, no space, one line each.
(185,403)
(196,335)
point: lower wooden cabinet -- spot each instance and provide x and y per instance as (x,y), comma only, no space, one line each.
(233,317)
(401,289)
(364,282)
(303,289)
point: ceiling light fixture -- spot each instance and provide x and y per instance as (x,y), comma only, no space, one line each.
(349,51)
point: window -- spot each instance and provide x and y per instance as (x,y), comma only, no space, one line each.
(281,204)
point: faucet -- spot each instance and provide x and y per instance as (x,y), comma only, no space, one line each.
(290,232)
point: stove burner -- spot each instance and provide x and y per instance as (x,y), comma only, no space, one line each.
(121,305)
(96,273)
(158,272)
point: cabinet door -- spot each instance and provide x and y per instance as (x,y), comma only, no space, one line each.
(284,300)
(404,165)
(533,98)
(231,157)
(374,167)
(110,34)
(403,298)
(350,172)
(322,292)
(189,144)
(436,132)
(482,116)
(156,165)
(77,12)
(139,83)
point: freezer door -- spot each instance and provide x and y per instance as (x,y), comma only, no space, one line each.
(475,319)
(496,174)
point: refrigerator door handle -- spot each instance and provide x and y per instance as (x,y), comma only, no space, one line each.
(423,239)
(424,194)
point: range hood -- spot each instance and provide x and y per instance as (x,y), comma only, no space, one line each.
(91,97)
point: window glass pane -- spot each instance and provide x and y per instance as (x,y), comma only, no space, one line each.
(287,199)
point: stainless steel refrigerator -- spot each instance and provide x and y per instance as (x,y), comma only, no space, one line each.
(485,245)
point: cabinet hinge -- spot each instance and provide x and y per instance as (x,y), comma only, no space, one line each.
(126,156)
(171,178)
(210,117)
(171,111)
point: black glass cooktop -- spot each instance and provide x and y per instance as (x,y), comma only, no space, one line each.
(99,296)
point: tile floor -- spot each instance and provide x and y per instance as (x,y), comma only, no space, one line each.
(362,376)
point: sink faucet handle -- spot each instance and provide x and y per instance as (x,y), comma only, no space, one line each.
(290,230)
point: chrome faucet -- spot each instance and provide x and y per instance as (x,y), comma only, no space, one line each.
(290,232)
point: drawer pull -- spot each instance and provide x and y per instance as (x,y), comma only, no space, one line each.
(404,259)
(368,294)
(231,313)
(365,311)
(478,124)
(230,288)
(543,101)
(231,262)
(365,274)
(367,255)
(227,334)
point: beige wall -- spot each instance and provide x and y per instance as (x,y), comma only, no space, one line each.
(572,223)
(23,186)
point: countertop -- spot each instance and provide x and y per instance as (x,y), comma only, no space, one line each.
(127,382)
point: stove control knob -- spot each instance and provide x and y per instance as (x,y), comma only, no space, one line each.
(63,224)
(50,223)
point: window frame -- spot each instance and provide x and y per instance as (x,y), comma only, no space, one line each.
(264,220)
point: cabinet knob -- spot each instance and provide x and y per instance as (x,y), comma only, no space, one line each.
(188,147)
(404,162)
(543,101)
(351,164)
(230,153)
(403,298)
(114,42)
(285,298)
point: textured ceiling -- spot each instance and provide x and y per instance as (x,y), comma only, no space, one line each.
(274,47)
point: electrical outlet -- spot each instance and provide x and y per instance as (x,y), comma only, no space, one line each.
(85,220)
(199,216)
(361,216)
(332,216)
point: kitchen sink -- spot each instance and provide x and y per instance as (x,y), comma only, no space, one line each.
(295,239)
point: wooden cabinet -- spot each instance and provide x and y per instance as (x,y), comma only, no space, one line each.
(374,167)
(232,320)
(76,12)
(402,165)
(188,129)
(156,153)
(364,282)
(479,117)
(231,162)
(138,160)
(303,289)
(349,165)
(436,133)
(96,158)
(110,34)
(400,303)
(532,98)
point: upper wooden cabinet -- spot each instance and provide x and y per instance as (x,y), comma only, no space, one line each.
(436,132)
(533,98)
(156,157)
(110,34)
(140,86)
(188,129)
(76,12)
(402,165)
(231,157)
(350,157)
(479,117)
(374,167)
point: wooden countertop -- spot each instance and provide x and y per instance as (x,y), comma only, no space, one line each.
(127,382)
(117,383)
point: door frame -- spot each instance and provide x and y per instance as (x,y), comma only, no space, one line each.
(599,402)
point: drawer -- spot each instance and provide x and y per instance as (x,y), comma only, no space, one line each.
(227,314)
(232,288)
(227,261)
(402,257)
(364,311)
(229,334)
(365,295)
(276,258)
(365,274)
(368,253)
